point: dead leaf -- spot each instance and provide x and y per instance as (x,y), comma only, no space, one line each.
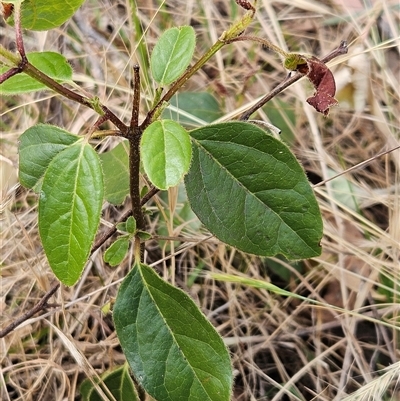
(319,75)
(324,82)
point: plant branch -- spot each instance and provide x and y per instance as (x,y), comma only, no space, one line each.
(227,37)
(8,74)
(264,42)
(181,81)
(340,50)
(134,183)
(23,65)
(136,97)
(37,308)
(149,195)
(133,134)
(38,75)
(18,30)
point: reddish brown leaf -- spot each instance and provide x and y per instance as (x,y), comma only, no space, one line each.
(324,83)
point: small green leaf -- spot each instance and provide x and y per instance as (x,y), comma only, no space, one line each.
(116,252)
(116,173)
(173,350)
(166,153)
(143,235)
(172,54)
(52,64)
(121,227)
(293,61)
(38,146)
(193,109)
(250,192)
(70,205)
(131,225)
(118,382)
(42,15)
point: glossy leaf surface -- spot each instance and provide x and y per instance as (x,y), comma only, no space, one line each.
(250,192)
(52,64)
(116,173)
(173,350)
(42,15)
(166,153)
(70,205)
(172,54)
(38,146)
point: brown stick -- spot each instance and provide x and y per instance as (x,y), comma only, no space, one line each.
(37,308)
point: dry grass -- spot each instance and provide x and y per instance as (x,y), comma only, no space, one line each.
(282,349)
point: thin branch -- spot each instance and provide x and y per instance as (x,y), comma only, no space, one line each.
(181,81)
(30,70)
(356,167)
(134,183)
(136,98)
(37,308)
(340,50)
(149,195)
(8,74)
(18,31)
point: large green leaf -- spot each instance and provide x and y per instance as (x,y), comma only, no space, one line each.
(42,15)
(70,204)
(173,350)
(193,109)
(52,64)
(116,173)
(250,192)
(118,382)
(172,54)
(38,146)
(166,152)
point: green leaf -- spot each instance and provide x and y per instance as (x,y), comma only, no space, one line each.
(172,54)
(131,225)
(193,109)
(118,382)
(166,153)
(173,350)
(116,173)
(116,252)
(42,15)
(69,209)
(143,235)
(52,64)
(249,190)
(38,146)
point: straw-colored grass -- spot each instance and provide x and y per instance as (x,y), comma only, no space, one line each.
(282,348)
